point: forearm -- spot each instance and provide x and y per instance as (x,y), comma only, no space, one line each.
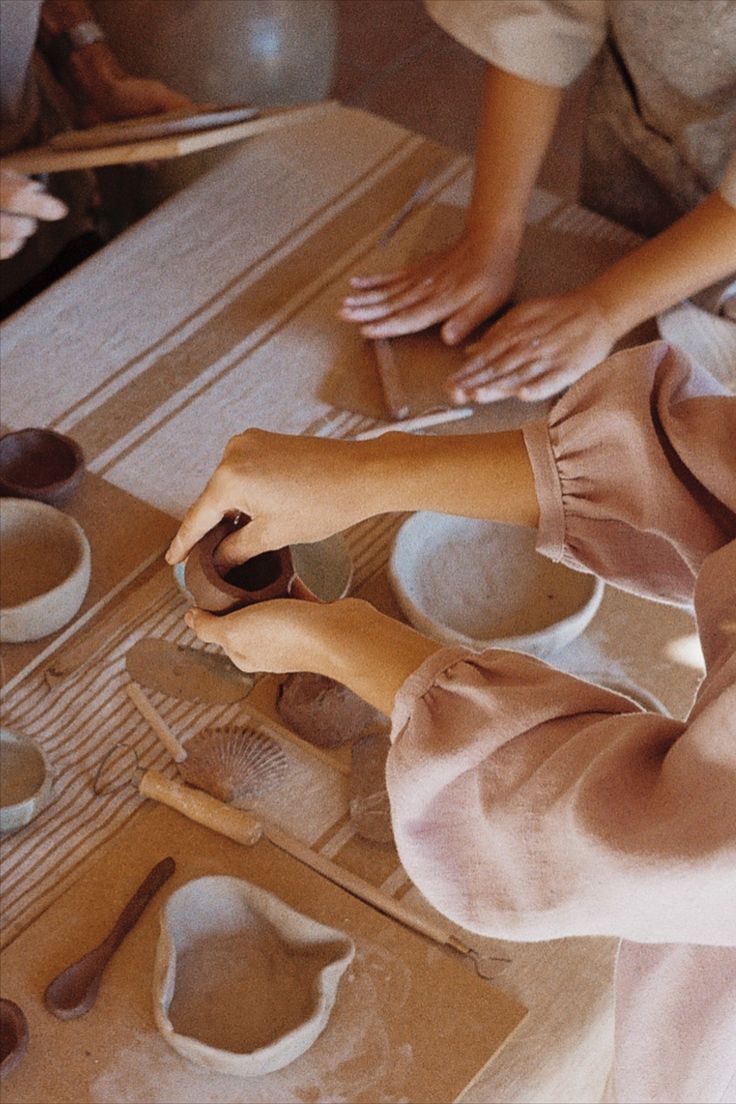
(91,69)
(370,653)
(694,252)
(517,120)
(475,475)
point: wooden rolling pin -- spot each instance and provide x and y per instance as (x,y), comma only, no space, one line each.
(242,827)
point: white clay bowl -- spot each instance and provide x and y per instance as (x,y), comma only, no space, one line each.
(243,984)
(481,584)
(25,780)
(46,563)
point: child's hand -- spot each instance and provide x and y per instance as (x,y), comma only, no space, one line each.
(461,286)
(536,350)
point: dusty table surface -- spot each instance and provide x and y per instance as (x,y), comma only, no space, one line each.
(214,313)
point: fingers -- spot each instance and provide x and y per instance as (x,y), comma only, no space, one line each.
(202,515)
(208,628)
(19,195)
(469,317)
(241,545)
(380,279)
(407,295)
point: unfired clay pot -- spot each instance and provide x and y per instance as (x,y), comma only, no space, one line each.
(269,575)
(243,984)
(46,565)
(40,464)
(13,1036)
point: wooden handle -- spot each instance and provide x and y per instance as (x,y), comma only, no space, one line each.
(435,930)
(146,890)
(234,823)
(156,721)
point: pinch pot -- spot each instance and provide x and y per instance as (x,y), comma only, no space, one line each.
(25,780)
(45,567)
(481,584)
(243,984)
(40,464)
(324,567)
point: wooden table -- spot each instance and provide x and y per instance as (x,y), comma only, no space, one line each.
(215,313)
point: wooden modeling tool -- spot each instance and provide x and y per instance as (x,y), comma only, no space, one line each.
(244,828)
(74,990)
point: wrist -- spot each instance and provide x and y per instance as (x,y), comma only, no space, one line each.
(622,307)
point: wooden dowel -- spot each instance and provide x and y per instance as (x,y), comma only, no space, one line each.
(422,421)
(156,721)
(206,810)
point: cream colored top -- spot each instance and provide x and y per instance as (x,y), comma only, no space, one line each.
(669,75)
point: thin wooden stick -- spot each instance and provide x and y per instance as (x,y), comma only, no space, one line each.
(156,721)
(421,421)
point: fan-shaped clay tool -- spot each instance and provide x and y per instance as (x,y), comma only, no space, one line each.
(74,990)
(233,763)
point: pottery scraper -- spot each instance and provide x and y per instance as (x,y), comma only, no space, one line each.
(186,673)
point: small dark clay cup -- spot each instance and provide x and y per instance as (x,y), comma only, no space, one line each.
(13,1036)
(259,579)
(40,464)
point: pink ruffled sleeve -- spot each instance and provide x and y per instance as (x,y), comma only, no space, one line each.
(528,804)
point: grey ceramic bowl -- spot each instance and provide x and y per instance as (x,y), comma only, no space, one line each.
(25,780)
(481,584)
(46,565)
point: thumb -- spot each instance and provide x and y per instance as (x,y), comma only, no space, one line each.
(240,546)
(206,626)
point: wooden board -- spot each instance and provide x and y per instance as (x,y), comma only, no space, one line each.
(412,1021)
(46,158)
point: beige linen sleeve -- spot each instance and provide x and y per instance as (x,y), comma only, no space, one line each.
(528,804)
(547,41)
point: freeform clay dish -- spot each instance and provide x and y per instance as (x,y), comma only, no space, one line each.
(243,984)
(261,578)
(41,464)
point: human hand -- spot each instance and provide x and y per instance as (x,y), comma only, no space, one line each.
(536,350)
(23,202)
(348,640)
(461,286)
(294,490)
(128,97)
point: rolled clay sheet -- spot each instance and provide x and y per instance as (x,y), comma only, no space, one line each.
(243,984)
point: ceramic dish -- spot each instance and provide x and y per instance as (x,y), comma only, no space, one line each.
(480,583)
(13,1036)
(25,780)
(46,566)
(243,984)
(41,464)
(325,567)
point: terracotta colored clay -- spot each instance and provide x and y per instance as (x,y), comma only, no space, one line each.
(41,464)
(233,763)
(325,712)
(74,990)
(269,575)
(13,1036)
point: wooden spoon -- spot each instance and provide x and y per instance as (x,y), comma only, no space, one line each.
(74,990)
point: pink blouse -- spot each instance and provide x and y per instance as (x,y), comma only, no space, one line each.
(529,805)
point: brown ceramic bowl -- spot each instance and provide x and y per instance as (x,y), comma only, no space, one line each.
(13,1036)
(259,579)
(40,464)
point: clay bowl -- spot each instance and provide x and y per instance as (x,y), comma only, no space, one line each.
(243,984)
(13,1036)
(25,780)
(481,584)
(40,464)
(46,567)
(324,568)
